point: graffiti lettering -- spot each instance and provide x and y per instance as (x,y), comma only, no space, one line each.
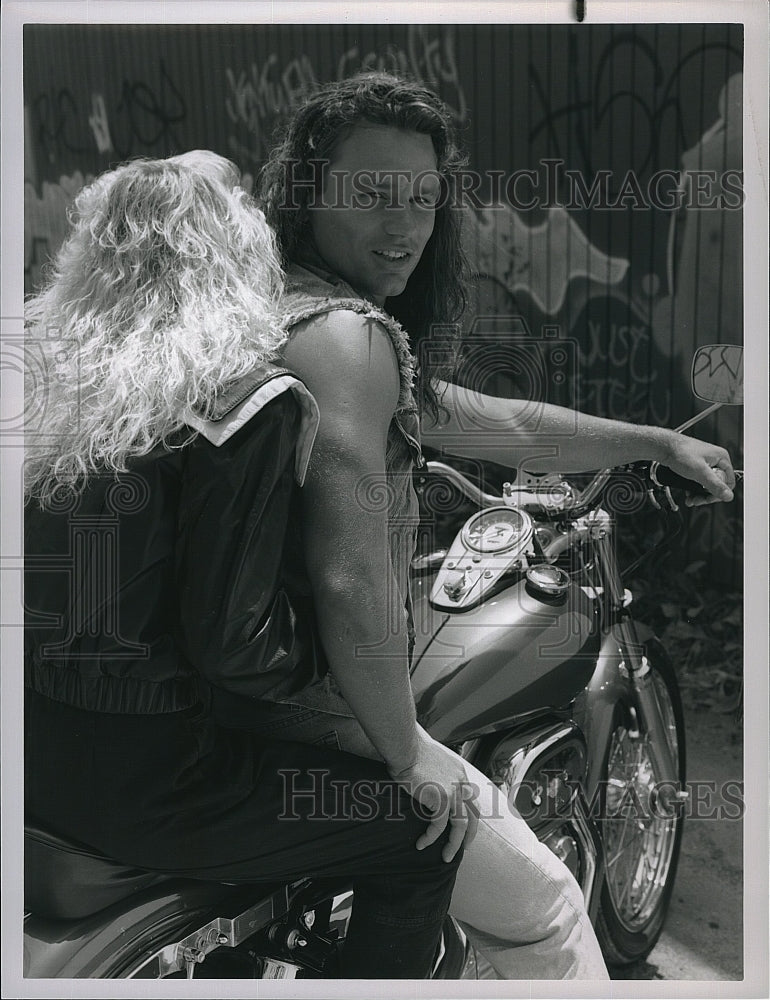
(99,124)
(431,60)
(627,349)
(617,399)
(255,96)
(626,346)
(142,116)
(148,117)
(56,120)
(258,95)
(583,124)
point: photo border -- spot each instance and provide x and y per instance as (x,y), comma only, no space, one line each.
(753,14)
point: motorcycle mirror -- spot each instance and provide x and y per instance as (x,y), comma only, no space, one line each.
(717,374)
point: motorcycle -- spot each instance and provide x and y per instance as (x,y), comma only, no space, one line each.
(529,663)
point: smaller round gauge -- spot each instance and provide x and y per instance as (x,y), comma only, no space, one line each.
(498,529)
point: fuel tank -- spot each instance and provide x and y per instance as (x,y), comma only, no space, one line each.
(517,653)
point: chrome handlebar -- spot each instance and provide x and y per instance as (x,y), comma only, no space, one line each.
(465,486)
(557,498)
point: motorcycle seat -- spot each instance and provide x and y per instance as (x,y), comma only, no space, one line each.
(66,880)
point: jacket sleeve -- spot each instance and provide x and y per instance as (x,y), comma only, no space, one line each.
(237,624)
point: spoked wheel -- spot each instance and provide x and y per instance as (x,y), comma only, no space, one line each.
(642,834)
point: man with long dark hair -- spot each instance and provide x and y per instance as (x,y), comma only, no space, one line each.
(360,193)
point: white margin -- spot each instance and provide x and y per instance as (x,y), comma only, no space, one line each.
(754,15)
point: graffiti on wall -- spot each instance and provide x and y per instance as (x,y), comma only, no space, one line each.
(553,262)
(704,295)
(628,83)
(143,116)
(533,258)
(641,320)
(691,298)
(257,96)
(557,268)
(45,221)
(636,314)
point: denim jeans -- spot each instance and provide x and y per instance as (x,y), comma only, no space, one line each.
(176,793)
(518,903)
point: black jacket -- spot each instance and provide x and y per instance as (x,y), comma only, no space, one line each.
(184,572)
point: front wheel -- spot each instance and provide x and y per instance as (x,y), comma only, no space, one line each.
(642,835)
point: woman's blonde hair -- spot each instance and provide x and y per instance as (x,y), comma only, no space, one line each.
(165,291)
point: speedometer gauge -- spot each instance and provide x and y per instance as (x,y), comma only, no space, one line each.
(496,530)
(495,542)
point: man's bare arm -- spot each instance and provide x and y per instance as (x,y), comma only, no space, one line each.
(541,437)
(349,365)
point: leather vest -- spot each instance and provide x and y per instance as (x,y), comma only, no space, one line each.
(155,583)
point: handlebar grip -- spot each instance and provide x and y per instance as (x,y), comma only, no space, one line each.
(667,477)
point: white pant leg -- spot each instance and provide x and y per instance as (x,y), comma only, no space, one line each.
(519,904)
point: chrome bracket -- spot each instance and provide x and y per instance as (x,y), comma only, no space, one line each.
(227,932)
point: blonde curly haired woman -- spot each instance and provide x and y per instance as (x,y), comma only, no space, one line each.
(160,480)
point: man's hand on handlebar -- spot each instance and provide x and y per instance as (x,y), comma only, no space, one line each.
(707,464)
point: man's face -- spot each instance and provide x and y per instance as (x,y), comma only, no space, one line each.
(378,208)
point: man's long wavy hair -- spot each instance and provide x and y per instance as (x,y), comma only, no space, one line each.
(434,297)
(165,291)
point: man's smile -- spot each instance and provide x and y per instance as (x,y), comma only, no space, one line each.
(395,255)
